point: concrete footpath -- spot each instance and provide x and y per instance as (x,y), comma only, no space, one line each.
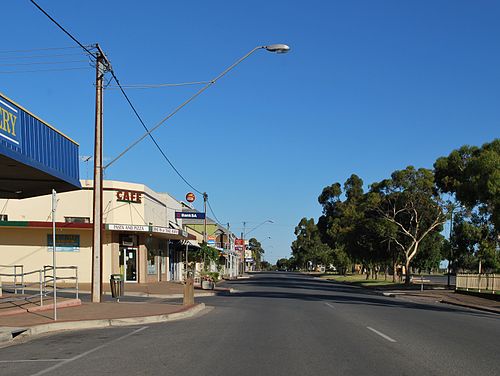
(23,318)
(165,289)
(448,297)
(92,315)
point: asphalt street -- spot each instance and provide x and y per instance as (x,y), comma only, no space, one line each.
(279,324)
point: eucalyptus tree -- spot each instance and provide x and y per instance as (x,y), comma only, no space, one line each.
(257,251)
(410,202)
(308,249)
(472,175)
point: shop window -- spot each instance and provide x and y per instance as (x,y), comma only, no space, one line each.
(77,219)
(4,217)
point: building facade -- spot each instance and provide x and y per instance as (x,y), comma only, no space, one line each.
(142,238)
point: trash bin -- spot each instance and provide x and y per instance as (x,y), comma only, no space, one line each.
(117,285)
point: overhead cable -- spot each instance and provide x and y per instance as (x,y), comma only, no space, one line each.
(213,214)
(155,86)
(38,49)
(150,135)
(42,63)
(39,56)
(63,29)
(43,70)
(148,132)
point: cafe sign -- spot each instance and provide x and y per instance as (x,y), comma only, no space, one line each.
(129,196)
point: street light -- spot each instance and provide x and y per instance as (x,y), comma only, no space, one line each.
(256,227)
(276,48)
(245,233)
(102,65)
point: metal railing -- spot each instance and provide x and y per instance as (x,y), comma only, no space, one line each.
(43,285)
(17,276)
(478,282)
(48,279)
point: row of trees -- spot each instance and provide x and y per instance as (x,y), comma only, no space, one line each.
(399,220)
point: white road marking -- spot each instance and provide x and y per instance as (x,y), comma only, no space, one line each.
(381,334)
(330,305)
(32,360)
(43,372)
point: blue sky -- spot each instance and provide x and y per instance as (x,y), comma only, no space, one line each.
(369,87)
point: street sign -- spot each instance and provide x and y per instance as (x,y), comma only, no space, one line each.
(190,197)
(189,215)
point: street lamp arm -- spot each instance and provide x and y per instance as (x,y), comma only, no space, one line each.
(271,48)
(256,227)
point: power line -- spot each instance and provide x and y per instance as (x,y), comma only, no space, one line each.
(38,49)
(39,56)
(212,211)
(42,63)
(43,70)
(132,106)
(155,86)
(124,94)
(63,29)
(150,135)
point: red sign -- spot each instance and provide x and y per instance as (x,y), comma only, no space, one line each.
(190,197)
(129,196)
(238,242)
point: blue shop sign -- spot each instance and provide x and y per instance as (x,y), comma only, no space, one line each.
(10,124)
(189,215)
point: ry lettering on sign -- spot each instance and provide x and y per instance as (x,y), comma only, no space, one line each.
(129,196)
(8,122)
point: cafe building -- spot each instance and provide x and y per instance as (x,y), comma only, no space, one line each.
(143,240)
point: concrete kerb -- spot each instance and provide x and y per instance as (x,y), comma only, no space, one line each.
(167,296)
(472,306)
(103,323)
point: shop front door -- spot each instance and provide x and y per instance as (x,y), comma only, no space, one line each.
(128,264)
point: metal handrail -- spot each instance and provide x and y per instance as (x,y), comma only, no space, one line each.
(43,281)
(15,275)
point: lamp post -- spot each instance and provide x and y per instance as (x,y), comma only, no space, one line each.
(276,48)
(103,66)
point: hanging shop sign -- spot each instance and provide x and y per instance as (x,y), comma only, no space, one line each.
(211,240)
(146,228)
(189,215)
(120,227)
(190,197)
(64,243)
(129,196)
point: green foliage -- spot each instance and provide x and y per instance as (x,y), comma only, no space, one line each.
(207,255)
(308,248)
(472,175)
(400,219)
(282,264)
(257,251)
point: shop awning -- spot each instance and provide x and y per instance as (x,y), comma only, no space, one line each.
(193,243)
(34,157)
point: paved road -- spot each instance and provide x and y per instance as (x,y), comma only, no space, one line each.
(279,324)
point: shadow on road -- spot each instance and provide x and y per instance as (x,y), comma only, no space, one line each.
(301,287)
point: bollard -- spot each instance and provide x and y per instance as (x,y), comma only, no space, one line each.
(188,292)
